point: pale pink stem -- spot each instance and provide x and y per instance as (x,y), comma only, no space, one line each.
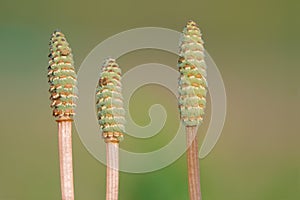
(65,158)
(112,170)
(193,164)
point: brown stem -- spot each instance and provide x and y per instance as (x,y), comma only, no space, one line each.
(112,170)
(193,163)
(65,158)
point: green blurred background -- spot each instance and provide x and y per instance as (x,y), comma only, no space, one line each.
(256,47)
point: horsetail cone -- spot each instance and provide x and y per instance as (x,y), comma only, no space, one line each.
(62,76)
(192,80)
(109,102)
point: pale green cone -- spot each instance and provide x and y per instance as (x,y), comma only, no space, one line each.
(109,102)
(192,81)
(62,76)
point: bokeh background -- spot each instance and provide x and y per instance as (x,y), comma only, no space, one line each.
(256,47)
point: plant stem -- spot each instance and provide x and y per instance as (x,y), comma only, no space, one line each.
(193,163)
(112,170)
(65,157)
